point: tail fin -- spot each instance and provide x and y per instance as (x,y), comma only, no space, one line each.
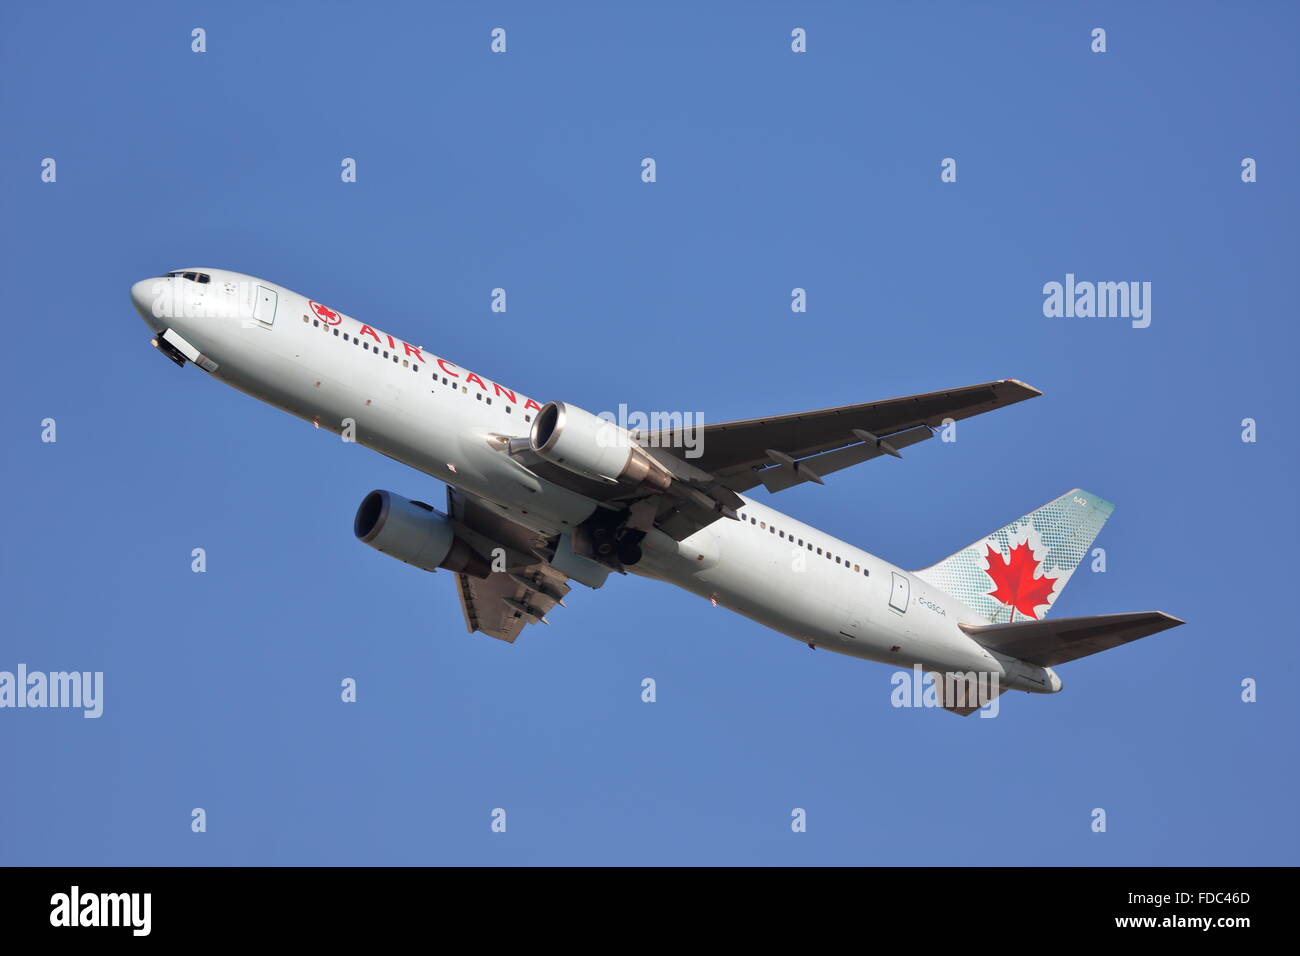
(1017,571)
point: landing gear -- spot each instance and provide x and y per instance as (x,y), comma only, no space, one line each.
(603,542)
(169,350)
(629,547)
(615,545)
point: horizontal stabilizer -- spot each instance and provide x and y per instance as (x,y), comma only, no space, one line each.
(1048,643)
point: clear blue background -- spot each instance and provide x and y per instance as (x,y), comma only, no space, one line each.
(523,171)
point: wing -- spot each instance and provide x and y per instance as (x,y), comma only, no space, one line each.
(711,466)
(504,602)
(1048,643)
(791,449)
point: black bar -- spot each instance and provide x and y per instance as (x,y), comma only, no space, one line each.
(1034,905)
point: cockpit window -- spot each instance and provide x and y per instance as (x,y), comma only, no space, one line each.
(192,276)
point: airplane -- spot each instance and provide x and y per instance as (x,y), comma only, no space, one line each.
(542,494)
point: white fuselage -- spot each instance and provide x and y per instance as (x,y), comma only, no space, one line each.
(436,417)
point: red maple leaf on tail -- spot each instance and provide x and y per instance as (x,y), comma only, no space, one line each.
(1014,581)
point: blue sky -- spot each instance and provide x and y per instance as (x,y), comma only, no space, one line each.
(775,171)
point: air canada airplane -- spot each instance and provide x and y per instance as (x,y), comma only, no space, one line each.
(539,495)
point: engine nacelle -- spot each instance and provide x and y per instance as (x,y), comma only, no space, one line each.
(414,532)
(592,447)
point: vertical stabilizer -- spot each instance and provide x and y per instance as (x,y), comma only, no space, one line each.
(1017,572)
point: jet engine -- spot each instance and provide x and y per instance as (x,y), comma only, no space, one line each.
(594,448)
(414,532)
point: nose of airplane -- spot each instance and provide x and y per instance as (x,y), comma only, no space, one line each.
(143,294)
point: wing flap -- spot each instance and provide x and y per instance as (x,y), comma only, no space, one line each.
(506,601)
(502,605)
(788,474)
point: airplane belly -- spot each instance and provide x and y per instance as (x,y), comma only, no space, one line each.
(751,581)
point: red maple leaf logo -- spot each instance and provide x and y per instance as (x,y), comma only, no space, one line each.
(1014,581)
(328,316)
